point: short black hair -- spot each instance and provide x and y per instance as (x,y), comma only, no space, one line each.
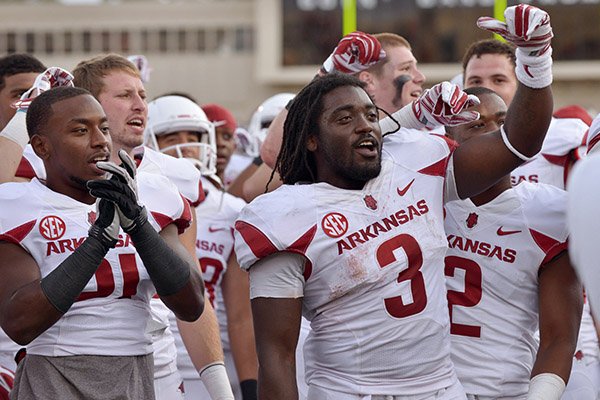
(18,64)
(40,109)
(294,162)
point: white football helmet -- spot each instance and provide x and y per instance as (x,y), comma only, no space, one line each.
(170,114)
(262,118)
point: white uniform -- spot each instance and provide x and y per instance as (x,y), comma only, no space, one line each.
(112,312)
(584,381)
(216,216)
(495,253)
(374,288)
(583,220)
(563,139)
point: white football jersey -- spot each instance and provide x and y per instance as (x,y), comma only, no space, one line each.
(552,164)
(31,166)
(216,216)
(180,171)
(494,256)
(111,314)
(374,286)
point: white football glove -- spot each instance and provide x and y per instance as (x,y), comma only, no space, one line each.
(50,78)
(528,28)
(354,53)
(142,64)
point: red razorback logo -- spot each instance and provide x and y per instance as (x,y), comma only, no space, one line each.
(52,227)
(472,220)
(370,202)
(334,225)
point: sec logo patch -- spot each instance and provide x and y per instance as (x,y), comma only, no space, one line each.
(334,225)
(52,227)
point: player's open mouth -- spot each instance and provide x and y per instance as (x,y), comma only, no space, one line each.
(367,147)
(136,123)
(96,158)
(416,93)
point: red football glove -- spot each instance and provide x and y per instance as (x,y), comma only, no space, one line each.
(528,28)
(355,52)
(50,78)
(444,104)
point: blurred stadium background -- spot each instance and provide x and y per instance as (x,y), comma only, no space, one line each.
(239,52)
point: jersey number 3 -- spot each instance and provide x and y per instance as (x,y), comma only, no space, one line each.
(385,256)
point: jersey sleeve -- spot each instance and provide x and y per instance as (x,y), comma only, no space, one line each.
(271,224)
(164,203)
(14,224)
(546,212)
(279,275)
(564,135)
(180,171)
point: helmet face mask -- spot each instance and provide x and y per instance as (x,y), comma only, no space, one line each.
(172,114)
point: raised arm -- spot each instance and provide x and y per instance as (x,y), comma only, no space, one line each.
(560,305)
(480,162)
(14,137)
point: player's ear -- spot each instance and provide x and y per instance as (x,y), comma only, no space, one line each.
(311,143)
(40,146)
(367,78)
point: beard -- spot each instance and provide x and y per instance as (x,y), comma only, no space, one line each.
(352,170)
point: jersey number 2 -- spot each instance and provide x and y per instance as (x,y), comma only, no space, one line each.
(469,298)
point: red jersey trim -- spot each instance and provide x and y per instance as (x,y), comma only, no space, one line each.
(258,242)
(593,142)
(182,223)
(25,170)
(261,246)
(439,168)
(301,245)
(201,195)
(551,247)
(16,235)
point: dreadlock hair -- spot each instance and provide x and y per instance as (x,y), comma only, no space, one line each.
(295,163)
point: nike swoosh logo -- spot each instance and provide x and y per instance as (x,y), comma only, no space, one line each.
(500,232)
(402,192)
(213,230)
